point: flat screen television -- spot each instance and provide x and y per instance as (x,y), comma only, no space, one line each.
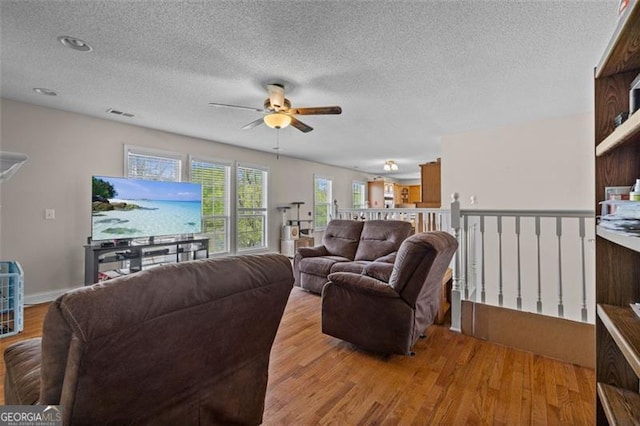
(123,208)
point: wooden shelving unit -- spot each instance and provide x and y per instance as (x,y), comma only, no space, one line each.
(619,405)
(617,255)
(626,132)
(623,325)
(632,243)
(430,182)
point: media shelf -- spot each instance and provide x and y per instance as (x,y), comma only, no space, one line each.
(122,260)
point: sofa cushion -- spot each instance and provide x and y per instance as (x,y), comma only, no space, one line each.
(341,237)
(389,258)
(381,237)
(356,266)
(320,265)
(422,257)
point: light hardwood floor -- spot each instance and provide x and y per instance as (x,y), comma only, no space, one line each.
(452,380)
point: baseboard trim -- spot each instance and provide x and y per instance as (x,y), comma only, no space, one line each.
(558,338)
(44,297)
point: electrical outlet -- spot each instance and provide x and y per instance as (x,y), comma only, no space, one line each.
(49,214)
(473,200)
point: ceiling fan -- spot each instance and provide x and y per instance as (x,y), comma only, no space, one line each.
(278,113)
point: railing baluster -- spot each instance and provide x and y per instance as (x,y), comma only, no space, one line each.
(473,254)
(456,302)
(465,264)
(559,234)
(539,301)
(482,292)
(584,273)
(519,296)
(500,296)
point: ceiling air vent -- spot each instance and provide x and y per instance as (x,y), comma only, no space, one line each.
(116,112)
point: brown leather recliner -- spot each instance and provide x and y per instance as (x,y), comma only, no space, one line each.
(389,317)
(184,343)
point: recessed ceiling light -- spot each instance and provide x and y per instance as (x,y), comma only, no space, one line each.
(75,43)
(43,91)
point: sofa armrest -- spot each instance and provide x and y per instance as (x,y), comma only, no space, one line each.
(312,251)
(304,252)
(379,270)
(362,284)
(22,376)
(389,258)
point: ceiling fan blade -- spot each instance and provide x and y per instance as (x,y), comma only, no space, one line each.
(235,106)
(253,124)
(300,125)
(316,110)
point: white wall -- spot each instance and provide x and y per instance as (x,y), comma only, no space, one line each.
(544,165)
(66,149)
(540,165)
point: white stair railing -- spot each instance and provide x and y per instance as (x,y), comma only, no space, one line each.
(423,220)
(529,260)
(526,258)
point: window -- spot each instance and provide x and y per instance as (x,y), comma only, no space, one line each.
(251,212)
(153,165)
(321,202)
(358,195)
(214,178)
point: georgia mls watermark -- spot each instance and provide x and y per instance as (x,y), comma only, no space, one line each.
(31,415)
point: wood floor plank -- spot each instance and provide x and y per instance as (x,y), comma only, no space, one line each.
(453,379)
(526,412)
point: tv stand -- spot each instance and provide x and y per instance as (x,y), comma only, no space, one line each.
(102,263)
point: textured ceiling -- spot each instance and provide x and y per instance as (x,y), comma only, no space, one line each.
(405,73)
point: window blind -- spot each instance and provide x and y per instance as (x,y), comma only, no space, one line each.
(153,167)
(358,195)
(321,201)
(251,210)
(214,178)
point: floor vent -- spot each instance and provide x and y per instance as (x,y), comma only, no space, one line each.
(116,112)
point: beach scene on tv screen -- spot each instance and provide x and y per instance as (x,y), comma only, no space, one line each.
(135,208)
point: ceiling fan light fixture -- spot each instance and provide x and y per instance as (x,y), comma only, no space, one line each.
(276,96)
(277,120)
(390,166)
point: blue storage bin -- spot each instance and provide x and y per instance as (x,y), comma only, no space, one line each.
(11,298)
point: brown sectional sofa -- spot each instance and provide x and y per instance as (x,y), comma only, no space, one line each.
(350,246)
